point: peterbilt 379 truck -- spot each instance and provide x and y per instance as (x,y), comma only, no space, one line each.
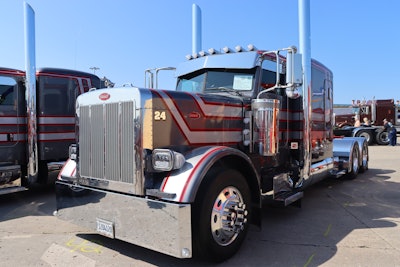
(37,122)
(51,119)
(185,172)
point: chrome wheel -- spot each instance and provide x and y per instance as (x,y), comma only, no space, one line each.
(355,160)
(221,215)
(229,216)
(354,164)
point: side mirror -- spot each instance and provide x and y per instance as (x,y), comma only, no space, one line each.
(294,72)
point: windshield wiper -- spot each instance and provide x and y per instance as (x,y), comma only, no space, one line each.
(223,89)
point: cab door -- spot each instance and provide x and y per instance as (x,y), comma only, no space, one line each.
(56,115)
(12,119)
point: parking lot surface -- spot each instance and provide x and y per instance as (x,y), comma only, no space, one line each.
(341,223)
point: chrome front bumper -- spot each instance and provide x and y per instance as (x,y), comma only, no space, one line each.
(156,225)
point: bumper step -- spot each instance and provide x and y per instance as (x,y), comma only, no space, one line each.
(14,189)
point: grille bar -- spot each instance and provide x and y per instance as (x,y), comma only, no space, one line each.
(106,142)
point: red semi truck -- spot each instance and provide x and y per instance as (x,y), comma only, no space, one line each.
(53,123)
(37,123)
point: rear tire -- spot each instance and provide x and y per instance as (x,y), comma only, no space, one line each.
(367,135)
(221,215)
(382,137)
(354,163)
(364,158)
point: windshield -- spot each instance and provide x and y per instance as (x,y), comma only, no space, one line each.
(217,81)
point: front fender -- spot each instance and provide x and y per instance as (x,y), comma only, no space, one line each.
(186,181)
(68,171)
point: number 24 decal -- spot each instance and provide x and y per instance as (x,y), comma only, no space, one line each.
(160,116)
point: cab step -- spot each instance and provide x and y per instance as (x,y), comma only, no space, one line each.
(287,198)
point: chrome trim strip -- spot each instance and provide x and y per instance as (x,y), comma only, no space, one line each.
(14,137)
(56,136)
(56,120)
(12,120)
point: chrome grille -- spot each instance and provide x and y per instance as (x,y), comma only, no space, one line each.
(106,142)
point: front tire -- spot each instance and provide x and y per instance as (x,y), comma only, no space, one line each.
(221,215)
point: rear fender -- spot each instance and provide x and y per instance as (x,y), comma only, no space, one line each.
(343,147)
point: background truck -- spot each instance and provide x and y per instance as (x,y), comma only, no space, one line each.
(184,172)
(375,111)
(37,122)
(53,125)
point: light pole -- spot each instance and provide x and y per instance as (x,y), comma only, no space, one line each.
(94,69)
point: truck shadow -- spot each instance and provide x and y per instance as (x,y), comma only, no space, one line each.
(37,201)
(331,210)
(309,236)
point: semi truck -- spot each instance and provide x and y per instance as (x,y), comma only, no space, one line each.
(375,111)
(37,122)
(185,172)
(51,119)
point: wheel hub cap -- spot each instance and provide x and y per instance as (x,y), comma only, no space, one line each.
(229,216)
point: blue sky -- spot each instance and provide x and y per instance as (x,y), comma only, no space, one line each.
(357,39)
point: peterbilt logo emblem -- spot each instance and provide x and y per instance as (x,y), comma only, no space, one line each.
(104,96)
(194,115)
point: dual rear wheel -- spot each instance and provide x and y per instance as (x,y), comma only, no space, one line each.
(358,159)
(379,136)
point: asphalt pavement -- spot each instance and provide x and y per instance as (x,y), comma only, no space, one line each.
(341,223)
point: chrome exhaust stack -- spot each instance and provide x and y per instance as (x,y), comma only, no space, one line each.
(305,51)
(30,93)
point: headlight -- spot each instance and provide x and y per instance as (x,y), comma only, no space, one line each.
(166,160)
(72,151)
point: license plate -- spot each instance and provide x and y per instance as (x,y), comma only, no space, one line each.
(105,227)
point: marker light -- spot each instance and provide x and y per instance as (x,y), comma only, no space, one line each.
(239,48)
(72,151)
(251,47)
(202,53)
(212,51)
(188,57)
(226,49)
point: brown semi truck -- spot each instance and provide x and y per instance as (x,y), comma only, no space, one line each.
(375,111)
